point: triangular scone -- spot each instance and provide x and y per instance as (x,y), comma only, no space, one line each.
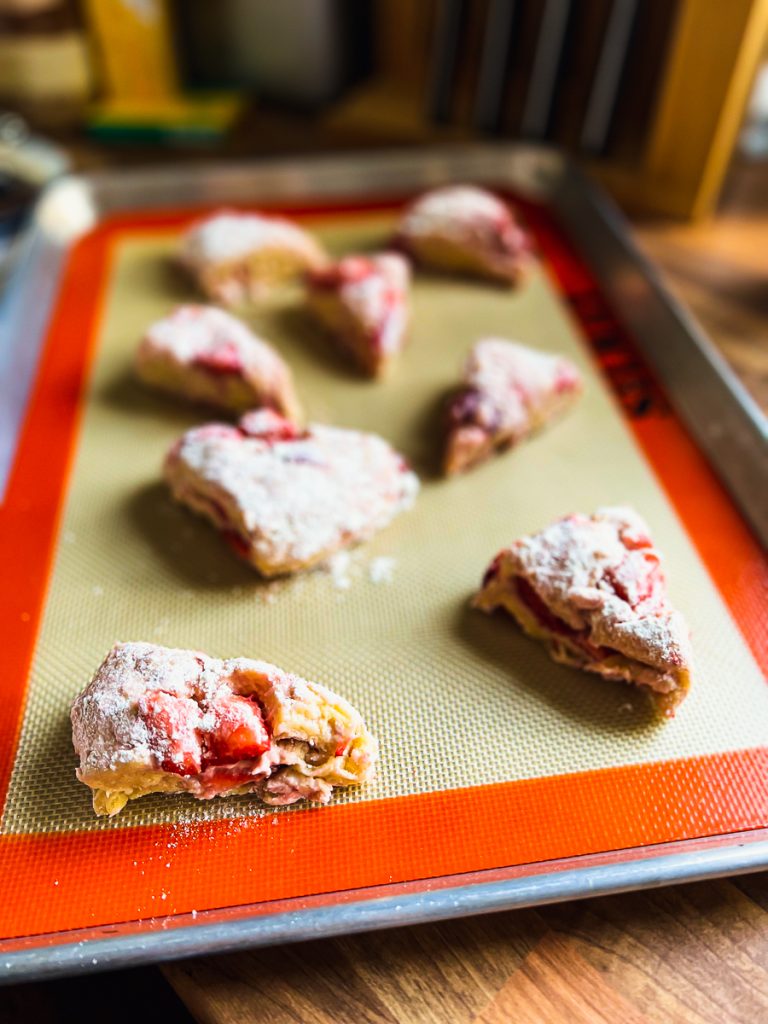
(207,355)
(286,499)
(508,392)
(466,230)
(363,302)
(234,256)
(593,589)
(158,720)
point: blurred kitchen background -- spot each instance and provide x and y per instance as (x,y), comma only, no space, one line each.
(664,101)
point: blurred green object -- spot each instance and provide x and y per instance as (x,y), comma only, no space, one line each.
(141,95)
(177,119)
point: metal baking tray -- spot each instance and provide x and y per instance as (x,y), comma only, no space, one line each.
(719,414)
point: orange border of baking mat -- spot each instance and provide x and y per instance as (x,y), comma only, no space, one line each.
(78,880)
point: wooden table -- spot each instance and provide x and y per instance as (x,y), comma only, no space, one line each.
(719,269)
(693,954)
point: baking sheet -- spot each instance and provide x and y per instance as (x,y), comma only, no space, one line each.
(661,802)
(456,699)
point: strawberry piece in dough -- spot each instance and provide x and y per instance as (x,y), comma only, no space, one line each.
(238,731)
(224,359)
(173,724)
(346,271)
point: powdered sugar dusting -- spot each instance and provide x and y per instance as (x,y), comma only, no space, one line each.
(230,236)
(601,576)
(509,390)
(381,569)
(365,300)
(291,503)
(192,331)
(454,210)
(314,740)
(515,383)
(338,566)
(465,228)
(206,354)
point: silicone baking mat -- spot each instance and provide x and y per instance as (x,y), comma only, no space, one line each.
(492,755)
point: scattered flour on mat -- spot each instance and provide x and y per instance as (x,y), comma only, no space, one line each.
(381,569)
(344,568)
(338,566)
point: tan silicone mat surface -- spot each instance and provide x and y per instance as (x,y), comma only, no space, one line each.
(456,698)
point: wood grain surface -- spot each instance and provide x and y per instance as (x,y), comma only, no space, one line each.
(696,953)
(719,269)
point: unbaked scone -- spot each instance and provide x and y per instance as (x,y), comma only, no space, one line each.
(158,720)
(205,354)
(362,301)
(466,230)
(234,256)
(508,392)
(286,499)
(592,588)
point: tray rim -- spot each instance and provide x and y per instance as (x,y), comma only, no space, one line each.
(602,234)
(720,856)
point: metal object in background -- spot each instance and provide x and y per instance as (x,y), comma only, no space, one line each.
(497,41)
(236,929)
(553,70)
(304,52)
(549,54)
(605,87)
(445,57)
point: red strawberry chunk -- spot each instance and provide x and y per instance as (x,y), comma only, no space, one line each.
(346,271)
(238,732)
(652,584)
(239,544)
(222,359)
(214,430)
(173,724)
(493,569)
(554,623)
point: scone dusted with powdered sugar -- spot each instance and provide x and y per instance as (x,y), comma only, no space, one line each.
(286,499)
(362,301)
(508,392)
(235,256)
(592,588)
(462,229)
(158,720)
(206,355)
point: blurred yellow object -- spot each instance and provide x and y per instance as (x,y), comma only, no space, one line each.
(141,93)
(44,67)
(716,49)
(134,48)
